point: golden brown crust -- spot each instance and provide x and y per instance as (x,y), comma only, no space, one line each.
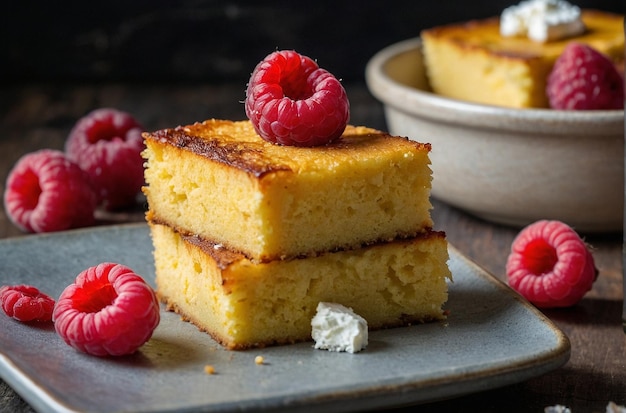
(485,35)
(221,254)
(249,157)
(224,256)
(235,143)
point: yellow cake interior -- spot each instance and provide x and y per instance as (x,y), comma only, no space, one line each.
(243,304)
(472,61)
(249,237)
(220,180)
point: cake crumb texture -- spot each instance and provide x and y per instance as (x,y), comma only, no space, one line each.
(243,304)
(471,61)
(220,180)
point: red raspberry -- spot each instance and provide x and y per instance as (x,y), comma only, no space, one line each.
(47,192)
(107,143)
(584,79)
(108,310)
(291,101)
(26,303)
(550,265)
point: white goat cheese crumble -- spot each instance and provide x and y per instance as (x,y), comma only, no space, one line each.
(542,20)
(338,328)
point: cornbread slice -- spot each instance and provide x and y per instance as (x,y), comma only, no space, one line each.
(220,180)
(471,61)
(242,304)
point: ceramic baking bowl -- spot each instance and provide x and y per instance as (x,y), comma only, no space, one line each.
(510,166)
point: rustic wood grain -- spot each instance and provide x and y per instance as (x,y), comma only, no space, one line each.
(38,116)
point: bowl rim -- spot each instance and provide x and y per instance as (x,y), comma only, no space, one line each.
(454,111)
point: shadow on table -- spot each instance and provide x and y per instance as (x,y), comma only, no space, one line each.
(596,311)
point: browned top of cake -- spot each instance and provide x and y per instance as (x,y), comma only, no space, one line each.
(237,144)
(604,31)
(224,257)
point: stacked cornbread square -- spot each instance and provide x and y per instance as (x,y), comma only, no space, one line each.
(472,61)
(250,236)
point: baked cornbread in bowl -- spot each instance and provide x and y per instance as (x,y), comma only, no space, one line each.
(506,165)
(478,61)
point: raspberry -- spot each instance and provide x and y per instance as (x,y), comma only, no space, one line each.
(46,192)
(291,101)
(550,265)
(26,303)
(108,310)
(107,143)
(584,79)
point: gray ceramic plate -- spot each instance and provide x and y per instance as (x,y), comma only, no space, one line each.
(492,338)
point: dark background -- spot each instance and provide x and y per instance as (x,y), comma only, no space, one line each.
(211,41)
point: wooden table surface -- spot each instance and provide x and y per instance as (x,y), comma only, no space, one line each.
(38,116)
